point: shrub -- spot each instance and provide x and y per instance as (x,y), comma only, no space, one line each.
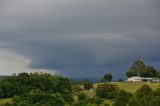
(108,91)
(87,84)
(122,98)
(134,102)
(143,91)
(76,89)
(81,96)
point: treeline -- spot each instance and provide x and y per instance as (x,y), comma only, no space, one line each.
(36,89)
(43,89)
(140,69)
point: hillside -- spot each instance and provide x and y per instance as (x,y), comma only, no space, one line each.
(131,87)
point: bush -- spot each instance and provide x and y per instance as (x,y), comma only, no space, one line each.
(145,97)
(134,102)
(76,89)
(107,77)
(143,91)
(81,96)
(157,92)
(87,84)
(98,101)
(108,91)
(122,98)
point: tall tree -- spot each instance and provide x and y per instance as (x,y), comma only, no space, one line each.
(138,66)
(108,91)
(140,69)
(131,74)
(87,84)
(107,77)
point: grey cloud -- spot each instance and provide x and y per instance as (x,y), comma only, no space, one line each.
(85,36)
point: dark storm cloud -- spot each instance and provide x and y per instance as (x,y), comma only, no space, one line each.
(81,36)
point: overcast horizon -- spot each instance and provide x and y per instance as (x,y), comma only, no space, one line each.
(78,38)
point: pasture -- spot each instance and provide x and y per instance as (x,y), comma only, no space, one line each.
(4,101)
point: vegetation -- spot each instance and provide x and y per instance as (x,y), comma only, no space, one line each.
(140,69)
(87,84)
(143,97)
(132,87)
(82,96)
(108,91)
(5,101)
(106,78)
(91,98)
(122,98)
(36,89)
(43,89)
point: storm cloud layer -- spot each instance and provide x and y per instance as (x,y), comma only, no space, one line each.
(81,38)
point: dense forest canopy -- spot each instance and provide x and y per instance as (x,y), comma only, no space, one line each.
(37,88)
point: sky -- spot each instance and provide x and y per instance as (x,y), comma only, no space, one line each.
(78,38)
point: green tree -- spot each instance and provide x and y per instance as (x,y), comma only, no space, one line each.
(157,92)
(158,74)
(150,101)
(37,89)
(108,91)
(98,101)
(145,97)
(140,69)
(122,98)
(87,84)
(107,77)
(143,91)
(131,74)
(77,89)
(134,101)
(138,66)
(67,96)
(151,70)
(155,101)
(82,96)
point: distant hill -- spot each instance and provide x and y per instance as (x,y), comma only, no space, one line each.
(1,77)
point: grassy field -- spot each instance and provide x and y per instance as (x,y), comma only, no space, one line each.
(128,86)
(134,86)
(4,101)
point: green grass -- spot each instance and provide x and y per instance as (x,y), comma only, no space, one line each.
(134,86)
(131,87)
(110,102)
(4,101)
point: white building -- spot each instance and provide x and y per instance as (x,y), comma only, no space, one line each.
(142,79)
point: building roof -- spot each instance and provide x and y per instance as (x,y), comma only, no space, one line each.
(142,78)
